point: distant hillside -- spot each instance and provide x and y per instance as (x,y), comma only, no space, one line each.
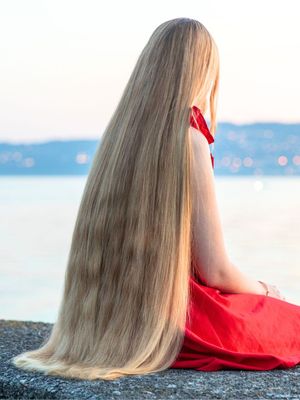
(250,149)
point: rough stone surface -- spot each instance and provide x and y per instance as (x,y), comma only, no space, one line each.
(19,336)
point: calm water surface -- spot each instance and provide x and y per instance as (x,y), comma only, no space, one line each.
(260,217)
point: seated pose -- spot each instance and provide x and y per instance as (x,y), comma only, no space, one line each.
(149,284)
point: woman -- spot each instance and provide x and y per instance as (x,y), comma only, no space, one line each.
(149,284)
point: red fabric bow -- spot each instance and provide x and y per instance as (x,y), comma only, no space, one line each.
(197,121)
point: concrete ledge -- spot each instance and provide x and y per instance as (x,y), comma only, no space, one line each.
(19,336)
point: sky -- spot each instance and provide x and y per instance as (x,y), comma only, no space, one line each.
(64,64)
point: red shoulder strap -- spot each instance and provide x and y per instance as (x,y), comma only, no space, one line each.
(197,121)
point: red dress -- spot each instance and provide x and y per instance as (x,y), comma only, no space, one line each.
(237,330)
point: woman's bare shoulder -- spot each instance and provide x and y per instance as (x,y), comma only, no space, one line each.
(200,151)
(197,136)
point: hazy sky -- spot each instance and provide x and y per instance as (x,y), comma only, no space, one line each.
(64,64)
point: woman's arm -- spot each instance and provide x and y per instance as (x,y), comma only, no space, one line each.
(208,247)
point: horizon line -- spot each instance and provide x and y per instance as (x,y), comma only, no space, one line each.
(20,141)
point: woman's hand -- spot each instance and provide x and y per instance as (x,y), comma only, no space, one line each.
(274,292)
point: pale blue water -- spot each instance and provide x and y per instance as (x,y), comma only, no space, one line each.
(260,217)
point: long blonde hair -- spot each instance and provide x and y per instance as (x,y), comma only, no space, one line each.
(126,291)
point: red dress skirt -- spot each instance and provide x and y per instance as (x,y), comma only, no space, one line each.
(237,330)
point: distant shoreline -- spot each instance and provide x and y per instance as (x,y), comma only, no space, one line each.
(259,149)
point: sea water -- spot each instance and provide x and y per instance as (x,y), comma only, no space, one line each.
(260,218)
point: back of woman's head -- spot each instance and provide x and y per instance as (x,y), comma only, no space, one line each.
(178,64)
(126,293)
